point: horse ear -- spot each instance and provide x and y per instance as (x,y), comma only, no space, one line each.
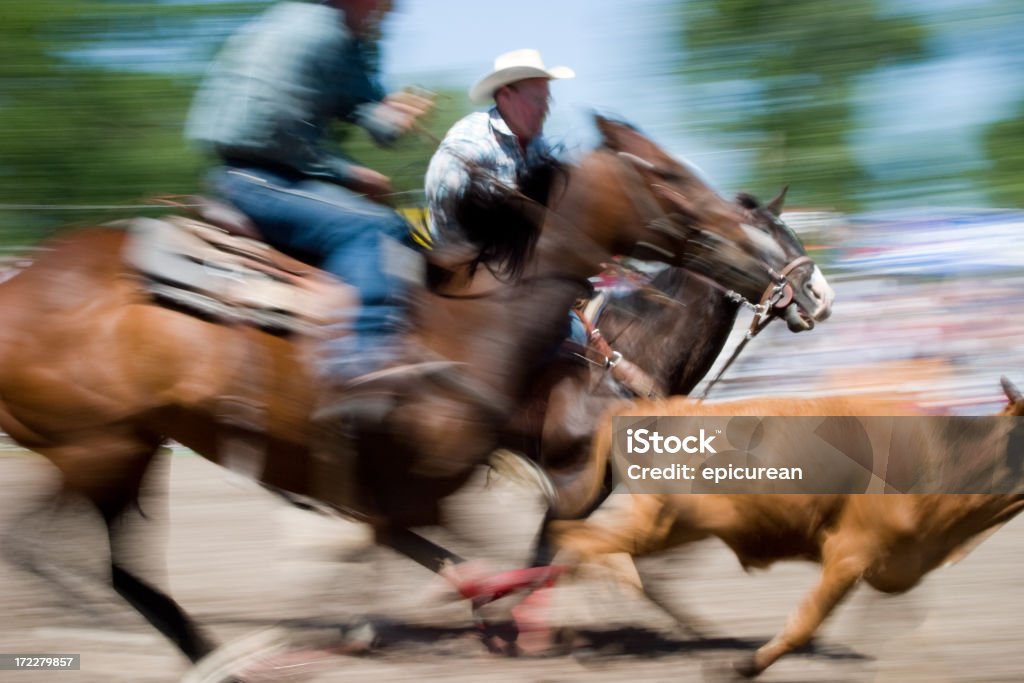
(775,205)
(611,132)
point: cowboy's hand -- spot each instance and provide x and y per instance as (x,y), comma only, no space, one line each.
(369,182)
(404,108)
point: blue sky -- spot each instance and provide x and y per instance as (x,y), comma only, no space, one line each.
(913,119)
(623,53)
(618,50)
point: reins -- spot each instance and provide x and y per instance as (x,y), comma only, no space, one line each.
(777,295)
(508,289)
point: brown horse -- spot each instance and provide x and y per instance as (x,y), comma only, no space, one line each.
(887,541)
(95,376)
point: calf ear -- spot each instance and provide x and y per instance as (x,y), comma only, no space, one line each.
(1013,395)
(775,205)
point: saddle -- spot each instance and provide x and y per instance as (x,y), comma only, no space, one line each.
(213,265)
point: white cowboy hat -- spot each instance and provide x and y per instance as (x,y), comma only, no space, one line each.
(515,66)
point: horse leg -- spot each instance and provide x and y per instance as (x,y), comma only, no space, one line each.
(420,550)
(580,476)
(108,470)
(481,590)
(842,568)
(108,473)
(154,605)
(162,612)
(544,546)
(21,547)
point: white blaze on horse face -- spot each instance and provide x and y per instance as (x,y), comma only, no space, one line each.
(769,249)
(816,295)
(821,292)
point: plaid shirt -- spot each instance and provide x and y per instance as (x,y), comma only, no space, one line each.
(277,85)
(483,139)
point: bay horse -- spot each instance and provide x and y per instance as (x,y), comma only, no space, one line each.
(674,329)
(698,316)
(96,377)
(889,541)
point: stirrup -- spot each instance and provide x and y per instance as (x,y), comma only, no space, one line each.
(399,373)
(370,397)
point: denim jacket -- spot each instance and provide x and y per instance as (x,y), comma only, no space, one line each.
(275,88)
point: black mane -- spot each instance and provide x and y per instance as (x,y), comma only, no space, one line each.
(748,201)
(504,224)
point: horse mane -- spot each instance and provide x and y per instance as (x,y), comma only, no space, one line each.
(504,224)
(748,201)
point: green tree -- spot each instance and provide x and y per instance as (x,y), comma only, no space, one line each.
(81,128)
(1003,177)
(85,120)
(780,77)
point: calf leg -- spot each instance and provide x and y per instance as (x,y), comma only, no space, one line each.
(842,568)
(653,586)
(641,525)
(634,524)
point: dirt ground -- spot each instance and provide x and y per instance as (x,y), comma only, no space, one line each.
(240,560)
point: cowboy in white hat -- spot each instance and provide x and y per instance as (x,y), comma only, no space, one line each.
(501,146)
(505,141)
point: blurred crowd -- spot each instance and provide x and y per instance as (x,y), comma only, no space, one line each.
(925,308)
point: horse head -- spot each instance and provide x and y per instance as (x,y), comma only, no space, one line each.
(806,297)
(678,218)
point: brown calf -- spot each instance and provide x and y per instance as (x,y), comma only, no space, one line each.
(888,541)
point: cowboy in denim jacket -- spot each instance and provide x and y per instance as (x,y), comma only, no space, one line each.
(265,108)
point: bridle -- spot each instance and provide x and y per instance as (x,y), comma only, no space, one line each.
(779,292)
(776,296)
(511,290)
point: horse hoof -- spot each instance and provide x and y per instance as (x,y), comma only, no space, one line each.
(271,655)
(747,667)
(500,641)
(359,638)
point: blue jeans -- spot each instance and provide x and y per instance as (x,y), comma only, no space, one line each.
(335,229)
(577,330)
